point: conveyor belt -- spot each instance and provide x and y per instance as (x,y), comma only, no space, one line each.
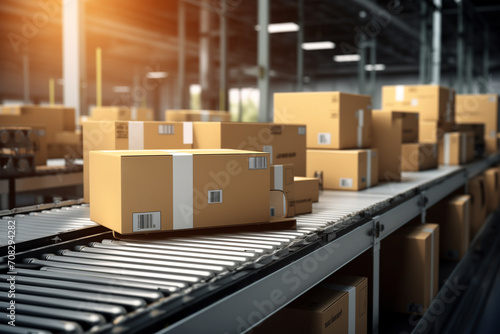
(128,285)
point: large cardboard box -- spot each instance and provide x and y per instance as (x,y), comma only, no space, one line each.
(433,131)
(409,268)
(419,156)
(197,116)
(456,148)
(387,139)
(116,135)
(282,179)
(334,120)
(308,187)
(357,289)
(478,209)
(344,169)
(492,176)
(480,108)
(410,126)
(318,311)
(453,216)
(141,114)
(110,113)
(285,143)
(152,191)
(432,102)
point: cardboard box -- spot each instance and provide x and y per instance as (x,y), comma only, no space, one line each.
(197,116)
(141,114)
(457,148)
(68,144)
(480,108)
(409,268)
(282,179)
(453,216)
(419,156)
(479,141)
(433,131)
(344,169)
(116,135)
(334,120)
(10,110)
(410,126)
(387,139)
(285,143)
(150,191)
(318,311)
(110,113)
(478,209)
(278,204)
(492,176)
(357,289)
(308,187)
(432,102)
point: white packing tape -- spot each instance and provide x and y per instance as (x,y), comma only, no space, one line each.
(268,149)
(400,93)
(361,114)
(135,135)
(463,148)
(447,148)
(278,177)
(369,168)
(431,231)
(351,291)
(187,130)
(182,164)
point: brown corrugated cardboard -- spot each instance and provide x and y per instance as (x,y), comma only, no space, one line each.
(68,144)
(409,268)
(307,187)
(116,135)
(334,120)
(357,289)
(456,148)
(110,113)
(150,191)
(40,145)
(197,116)
(278,204)
(492,176)
(387,139)
(410,127)
(478,209)
(480,108)
(433,131)
(318,311)
(344,169)
(285,143)
(419,156)
(432,102)
(479,131)
(10,110)
(141,114)
(282,179)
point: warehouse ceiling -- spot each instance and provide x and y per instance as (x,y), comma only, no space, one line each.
(138,36)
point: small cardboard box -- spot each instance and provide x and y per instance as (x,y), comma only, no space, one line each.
(307,187)
(116,135)
(409,268)
(110,113)
(492,176)
(410,126)
(432,102)
(478,209)
(153,191)
(456,148)
(282,179)
(387,139)
(419,156)
(141,114)
(453,216)
(285,143)
(334,120)
(318,311)
(357,289)
(197,116)
(344,169)
(480,108)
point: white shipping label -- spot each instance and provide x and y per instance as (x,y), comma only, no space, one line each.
(345,182)
(257,163)
(166,129)
(324,138)
(369,169)
(135,135)
(146,221)
(214,196)
(268,149)
(187,129)
(182,185)
(447,148)
(361,122)
(414,102)
(278,177)
(400,93)
(302,130)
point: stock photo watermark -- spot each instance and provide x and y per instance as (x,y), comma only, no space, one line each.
(11,273)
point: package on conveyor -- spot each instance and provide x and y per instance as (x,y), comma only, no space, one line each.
(478,208)
(146,191)
(285,143)
(132,135)
(334,120)
(409,269)
(456,148)
(175,115)
(306,193)
(480,108)
(419,156)
(117,113)
(343,169)
(282,179)
(492,182)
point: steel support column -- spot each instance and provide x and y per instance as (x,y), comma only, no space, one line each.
(181,45)
(300,51)
(423,43)
(361,65)
(460,48)
(486,59)
(436,43)
(223,58)
(263,61)
(373,61)
(469,62)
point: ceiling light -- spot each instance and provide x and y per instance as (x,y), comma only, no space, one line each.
(156,75)
(275,28)
(121,89)
(376,67)
(346,58)
(318,45)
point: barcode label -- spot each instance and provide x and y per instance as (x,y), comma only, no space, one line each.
(324,138)
(302,130)
(146,221)
(268,149)
(345,183)
(165,129)
(214,196)
(257,163)
(273,212)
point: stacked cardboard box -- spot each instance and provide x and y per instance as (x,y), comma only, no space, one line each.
(338,133)
(282,179)
(492,183)
(197,116)
(478,208)
(117,113)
